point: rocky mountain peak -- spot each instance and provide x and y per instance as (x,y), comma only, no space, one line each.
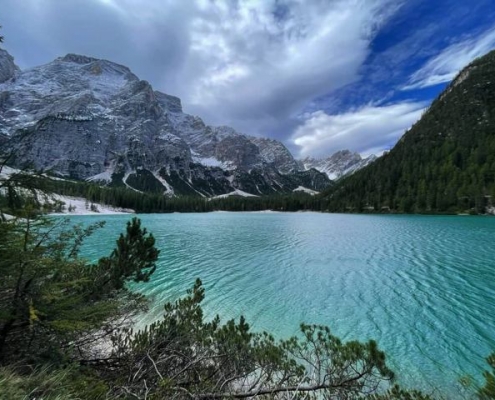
(345,153)
(170,103)
(339,164)
(8,69)
(95,66)
(275,152)
(87,118)
(77,58)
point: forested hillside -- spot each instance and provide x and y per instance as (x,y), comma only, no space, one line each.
(444,163)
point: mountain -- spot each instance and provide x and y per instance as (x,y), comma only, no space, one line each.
(339,164)
(444,163)
(89,119)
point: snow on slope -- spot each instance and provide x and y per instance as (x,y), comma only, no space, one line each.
(81,206)
(305,190)
(71,205)
(169,190)
(236,192)
(339,164)
(84,115)
(105,176)
(211,162)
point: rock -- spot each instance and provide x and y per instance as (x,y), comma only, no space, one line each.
(86,118)
(8,69)
(339,164)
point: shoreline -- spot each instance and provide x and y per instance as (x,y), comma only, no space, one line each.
(81,206)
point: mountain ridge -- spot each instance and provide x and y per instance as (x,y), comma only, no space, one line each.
(91,119)
(339,164)
(445,163)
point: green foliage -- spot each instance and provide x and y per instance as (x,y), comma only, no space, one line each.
(397,393)
(444,164)
(158,203)
(42,383)
(51,384)
(143,180)
(50,297)
(487,392)
(183,356)
(133,259)
(21,192)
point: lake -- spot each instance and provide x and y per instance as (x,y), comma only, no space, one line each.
(422,286)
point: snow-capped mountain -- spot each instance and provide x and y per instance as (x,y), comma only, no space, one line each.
(92,119)
(339,164)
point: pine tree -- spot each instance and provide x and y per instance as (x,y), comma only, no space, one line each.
(487,392)
(50,297)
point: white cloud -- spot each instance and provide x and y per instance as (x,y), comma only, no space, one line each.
(368,130)
(251,64)
(445,66)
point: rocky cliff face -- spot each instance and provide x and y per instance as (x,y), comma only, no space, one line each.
(7,67)
(92,119)
(339,164)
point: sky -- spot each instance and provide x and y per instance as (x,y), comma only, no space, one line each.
(318,75)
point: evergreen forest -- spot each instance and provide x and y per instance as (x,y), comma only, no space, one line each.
(444,164)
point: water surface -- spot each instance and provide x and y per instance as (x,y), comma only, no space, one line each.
(422,286)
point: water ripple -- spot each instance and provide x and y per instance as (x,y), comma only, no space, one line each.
(422,286)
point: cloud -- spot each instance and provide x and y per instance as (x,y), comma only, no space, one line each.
(367,130)
(153,40)
(446,65)
(253,64)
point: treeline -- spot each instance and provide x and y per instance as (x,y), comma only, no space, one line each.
(355,200)
(444,164)
(349,196)
(158,203)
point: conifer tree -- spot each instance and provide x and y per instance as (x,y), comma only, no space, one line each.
(49,296)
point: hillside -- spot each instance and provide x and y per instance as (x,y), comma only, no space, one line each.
(90,119)
(444,163)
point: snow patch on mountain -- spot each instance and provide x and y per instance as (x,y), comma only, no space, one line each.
(169,190)
(124,181)
(7,172)
(105,176)
(339,164)
(81,206)
(236,192)
(212,162)
(305,190)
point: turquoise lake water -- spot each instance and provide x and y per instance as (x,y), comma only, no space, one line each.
(422,286)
